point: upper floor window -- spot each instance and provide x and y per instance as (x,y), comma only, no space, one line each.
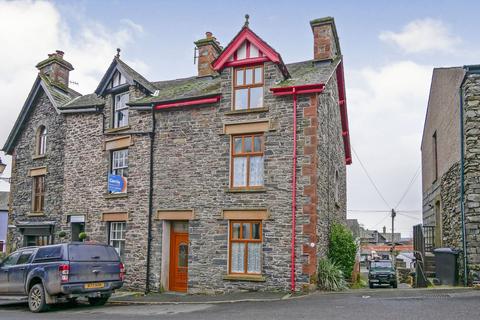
(248,88)
(247,161)
(38,193)
(120,110)
(117,80)
(41,141)
(120,162)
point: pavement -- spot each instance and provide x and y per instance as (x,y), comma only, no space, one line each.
(372,304)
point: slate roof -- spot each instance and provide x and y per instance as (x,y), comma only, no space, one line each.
(182,89)
(60,94)
(309,72)
(304,72)
(88,100)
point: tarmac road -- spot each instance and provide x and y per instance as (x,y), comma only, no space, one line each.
(359,304)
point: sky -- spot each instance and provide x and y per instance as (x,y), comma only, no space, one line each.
(390,49)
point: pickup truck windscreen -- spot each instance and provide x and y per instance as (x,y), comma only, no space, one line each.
(91,253)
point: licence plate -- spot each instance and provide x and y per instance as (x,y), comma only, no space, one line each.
(96,285)
(374,280)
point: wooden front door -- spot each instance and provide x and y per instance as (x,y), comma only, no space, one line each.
(178,257)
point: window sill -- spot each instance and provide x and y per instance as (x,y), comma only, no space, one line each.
(246,277)
(36,214)
(112,130)
(256,190)
(255,110)
(115,195)
(41,156)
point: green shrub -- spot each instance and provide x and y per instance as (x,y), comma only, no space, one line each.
(330,277)
(342,249)
(62,234)
(82,236)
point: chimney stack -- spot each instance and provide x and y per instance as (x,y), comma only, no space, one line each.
(325,39)
(208,50)
(55,68)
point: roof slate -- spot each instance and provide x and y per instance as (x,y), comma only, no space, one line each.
(309,72)
(182,89)
(88,100)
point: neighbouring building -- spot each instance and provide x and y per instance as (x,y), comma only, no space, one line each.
(4,196)
(450,165)
(201,183)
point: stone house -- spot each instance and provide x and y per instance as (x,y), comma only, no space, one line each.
(226,180)
(450,165)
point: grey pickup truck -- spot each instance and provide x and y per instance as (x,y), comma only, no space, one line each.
(62,272)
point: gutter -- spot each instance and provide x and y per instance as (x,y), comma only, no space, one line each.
(294,91)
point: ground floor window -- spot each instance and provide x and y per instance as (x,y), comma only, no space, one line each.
(37,241)
(117,237)
(245,247)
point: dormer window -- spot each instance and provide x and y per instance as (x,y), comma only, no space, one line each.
(120,110)
(41,141)
(117,80)
(248,88)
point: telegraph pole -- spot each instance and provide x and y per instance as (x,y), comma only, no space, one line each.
(393,235)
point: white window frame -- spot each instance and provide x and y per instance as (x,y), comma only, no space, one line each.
(116,236)
(42,141)
(119,164)
(120,109)
(117,80)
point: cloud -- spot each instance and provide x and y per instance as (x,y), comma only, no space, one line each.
(386,111)
(423,36)
(32,29)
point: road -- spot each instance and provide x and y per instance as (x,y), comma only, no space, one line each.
(363,304)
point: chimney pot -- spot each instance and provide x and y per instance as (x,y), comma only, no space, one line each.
(60,53)
(208,34)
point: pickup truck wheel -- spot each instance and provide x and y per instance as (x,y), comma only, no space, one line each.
(36,299)
(370,285)
(96,302)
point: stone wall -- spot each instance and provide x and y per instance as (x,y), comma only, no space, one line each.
(471,104)
(43,113)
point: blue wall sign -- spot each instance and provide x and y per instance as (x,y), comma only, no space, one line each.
(117,184)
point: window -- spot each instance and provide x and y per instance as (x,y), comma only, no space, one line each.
(120,162)
(248,88)
(435,157)
(117,80)
(38,193)
(120,116)
(245,247)
(11,259)
(41,141)
(247,161)
(49,253)
(37,241)
(117,237)
(24,257)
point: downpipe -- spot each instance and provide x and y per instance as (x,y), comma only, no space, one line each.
(294,191)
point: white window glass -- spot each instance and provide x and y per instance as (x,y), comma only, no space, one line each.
(241,99)
(117,237)
(239,171)
(253,51)
(239,77)
(121,110)
(120,162)
(248,76)
(42,141)
(258,75)
(253,264)
(238,257)
(237,144)
(256,97)
(256,171)
(242,51)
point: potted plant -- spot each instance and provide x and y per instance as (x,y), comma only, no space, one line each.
(82,236)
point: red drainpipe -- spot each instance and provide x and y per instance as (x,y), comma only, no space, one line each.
(294,91)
